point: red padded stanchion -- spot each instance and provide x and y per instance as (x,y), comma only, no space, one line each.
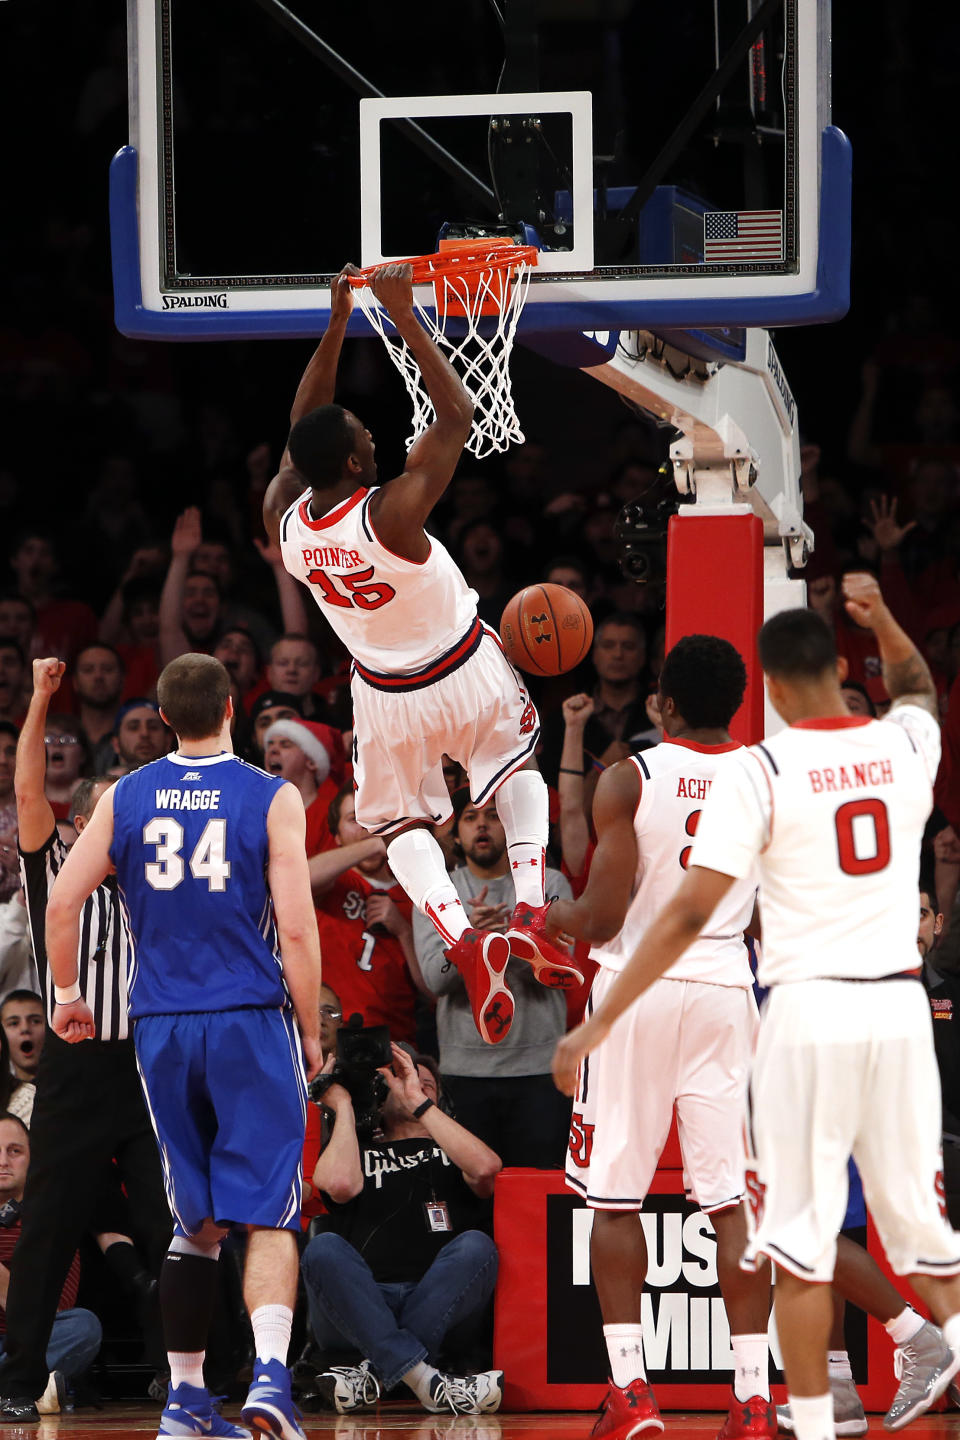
(715,587)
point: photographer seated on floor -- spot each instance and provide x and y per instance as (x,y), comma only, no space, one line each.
(403,1263)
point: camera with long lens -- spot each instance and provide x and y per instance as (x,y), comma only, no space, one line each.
(362,1051)
(641,530)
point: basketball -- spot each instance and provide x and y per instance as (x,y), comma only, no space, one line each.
(546,629)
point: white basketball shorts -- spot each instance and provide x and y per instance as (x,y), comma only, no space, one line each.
(847,1068)
(470,704)
(683,1044)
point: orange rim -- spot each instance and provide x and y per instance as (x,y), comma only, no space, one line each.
(461,257)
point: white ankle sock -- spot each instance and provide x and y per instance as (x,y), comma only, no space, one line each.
(625,1349)
(524,808)
(271,1331)
(186,1367)
(417,861)
(419,1378)
(750,1368)
(904,1326)
(812,1416)
(838,1365)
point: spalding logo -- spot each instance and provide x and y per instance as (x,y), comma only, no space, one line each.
(194,302)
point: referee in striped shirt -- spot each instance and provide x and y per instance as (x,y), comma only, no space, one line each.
(89,1107)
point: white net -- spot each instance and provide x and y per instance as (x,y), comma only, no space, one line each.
(482,360)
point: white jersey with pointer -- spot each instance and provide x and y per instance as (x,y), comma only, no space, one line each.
(675,779)
(394,615)
(835,811)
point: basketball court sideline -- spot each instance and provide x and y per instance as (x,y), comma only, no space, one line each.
(121,1422)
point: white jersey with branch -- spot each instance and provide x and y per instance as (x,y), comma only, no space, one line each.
(675,779)
(393,615)
(835,811)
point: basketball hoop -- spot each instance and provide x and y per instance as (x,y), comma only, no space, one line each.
(470,279)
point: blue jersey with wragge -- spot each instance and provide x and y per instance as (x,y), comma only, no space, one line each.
(190,851)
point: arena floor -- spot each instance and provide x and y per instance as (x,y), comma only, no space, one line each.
(399,1423)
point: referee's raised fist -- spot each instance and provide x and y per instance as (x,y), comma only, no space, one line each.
(47,675)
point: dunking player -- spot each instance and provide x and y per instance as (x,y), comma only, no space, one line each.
(687,1043)
(210,860)
(833,808)
(428,677)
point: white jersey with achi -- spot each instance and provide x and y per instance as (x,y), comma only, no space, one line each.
(675,779)
(835,811)
(393,615)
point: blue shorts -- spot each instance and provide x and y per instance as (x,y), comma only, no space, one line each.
(227,1097)
(856,1206)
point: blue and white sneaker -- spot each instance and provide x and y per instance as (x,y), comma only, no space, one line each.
(269,1406)
(190,1411)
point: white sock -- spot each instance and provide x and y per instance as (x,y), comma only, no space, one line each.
(812,1416)
(417,861)
(186,1367)
(904,1326)
(625,1349)
(419,1379)
(951,1332)
(271,1331)
(750,1370)
(838,1365)
(523,805)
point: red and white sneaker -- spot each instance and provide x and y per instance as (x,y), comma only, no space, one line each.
(753,1419)
(629,1412)
(482,957)
(529,941)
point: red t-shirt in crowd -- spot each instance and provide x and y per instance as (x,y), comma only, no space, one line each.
(142,671)
(368,970)
(311,1154)
(68,1295)
(65,627)
(318,831)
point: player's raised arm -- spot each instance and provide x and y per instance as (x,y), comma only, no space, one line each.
(678,924)
(317,387)
(905,672)
(289,879)
(404,505)
(598,915)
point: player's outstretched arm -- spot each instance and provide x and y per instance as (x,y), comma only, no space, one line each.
(289,880)
(87,866)
(677,926)
(404,505)
(317,387)
(905,672)
(598,915)
(35,817)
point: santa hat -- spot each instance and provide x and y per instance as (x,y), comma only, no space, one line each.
(311,739)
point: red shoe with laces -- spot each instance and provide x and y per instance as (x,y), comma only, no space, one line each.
(629,1412)
(529,941)
(753,1419)
(481,958)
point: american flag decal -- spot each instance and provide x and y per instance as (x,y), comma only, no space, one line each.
(736,236)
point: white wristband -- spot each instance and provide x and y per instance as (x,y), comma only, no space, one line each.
(66,994)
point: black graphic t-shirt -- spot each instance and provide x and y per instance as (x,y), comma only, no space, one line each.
(943,991)
(388,1221)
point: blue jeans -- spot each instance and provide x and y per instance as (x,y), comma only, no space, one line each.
(394,1326)
(74,1342)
